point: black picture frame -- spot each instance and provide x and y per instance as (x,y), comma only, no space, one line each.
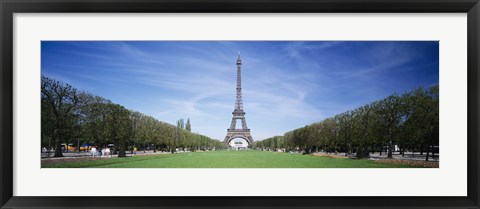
(9,7)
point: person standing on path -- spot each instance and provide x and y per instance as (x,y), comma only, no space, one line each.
(93,151)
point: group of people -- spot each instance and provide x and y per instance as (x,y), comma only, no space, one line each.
(103,152)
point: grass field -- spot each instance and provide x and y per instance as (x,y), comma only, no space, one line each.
(222,159)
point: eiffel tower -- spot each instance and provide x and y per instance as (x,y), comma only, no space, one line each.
(238,113)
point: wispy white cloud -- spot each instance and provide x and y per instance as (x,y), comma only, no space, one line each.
(295,49)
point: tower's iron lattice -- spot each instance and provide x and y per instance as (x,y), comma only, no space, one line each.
(238,113)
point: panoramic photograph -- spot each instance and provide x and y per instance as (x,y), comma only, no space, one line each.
(239,104)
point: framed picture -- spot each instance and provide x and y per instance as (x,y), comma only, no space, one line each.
(193,104)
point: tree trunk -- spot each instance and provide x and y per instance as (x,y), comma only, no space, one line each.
(58,151)
(122,152)
(58,146)
(307,150)
(390,150)
(360,152)
(122,147)
(390,144)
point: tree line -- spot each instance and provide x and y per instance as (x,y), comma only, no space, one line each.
(72,116)
(408,122)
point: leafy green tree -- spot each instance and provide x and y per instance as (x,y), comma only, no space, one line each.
(346,130)
(188,126)
(421,127)
(409,121)
(135,117)
(363,122)
(93,117)
(70,115)
(59,102)
(178,133)
(390,113)
(119,127)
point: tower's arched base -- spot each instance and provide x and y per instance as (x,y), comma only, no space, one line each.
(238,133)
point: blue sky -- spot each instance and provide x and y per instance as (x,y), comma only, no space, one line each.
(286,85)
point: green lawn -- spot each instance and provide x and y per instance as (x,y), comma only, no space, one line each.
(225,159)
